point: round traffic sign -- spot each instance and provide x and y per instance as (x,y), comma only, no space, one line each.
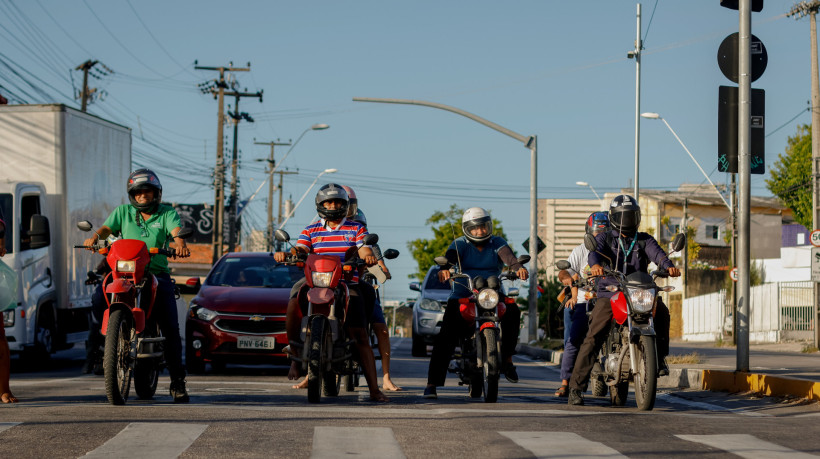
(733,274)
(728,59)
(815,238)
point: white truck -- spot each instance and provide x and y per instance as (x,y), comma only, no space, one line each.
(58,166)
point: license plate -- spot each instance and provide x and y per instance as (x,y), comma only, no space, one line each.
(255,342)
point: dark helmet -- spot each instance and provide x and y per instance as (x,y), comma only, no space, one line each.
(144,179)
(476,217)
(597,222)
(329,192)
(353,203)
(625,214)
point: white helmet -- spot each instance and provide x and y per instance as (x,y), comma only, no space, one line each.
(476,217)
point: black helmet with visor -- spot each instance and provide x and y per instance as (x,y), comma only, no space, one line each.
(625,214)
(144,179)
(331,192)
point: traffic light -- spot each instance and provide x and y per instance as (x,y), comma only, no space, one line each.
(757,5)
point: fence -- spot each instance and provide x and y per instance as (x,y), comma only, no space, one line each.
(778,311)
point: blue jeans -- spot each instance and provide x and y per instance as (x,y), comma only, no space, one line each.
(575,333)
(567,324)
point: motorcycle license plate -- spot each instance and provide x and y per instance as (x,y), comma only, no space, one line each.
(255,342)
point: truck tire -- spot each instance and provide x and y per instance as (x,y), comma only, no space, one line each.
(118,363)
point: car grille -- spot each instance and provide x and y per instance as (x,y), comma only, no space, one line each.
(264,327)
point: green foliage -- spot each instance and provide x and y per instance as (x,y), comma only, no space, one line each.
(446,226)
(757,276)
(790,176)
(692,247)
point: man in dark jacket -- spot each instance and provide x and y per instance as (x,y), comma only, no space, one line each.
(628,251)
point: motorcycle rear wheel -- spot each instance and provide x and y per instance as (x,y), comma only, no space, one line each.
(492,367)
(319,339)
(118,362)
(146,371)
(646,379)
(597,384)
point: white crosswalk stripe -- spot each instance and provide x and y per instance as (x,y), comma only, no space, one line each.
(362,442)
(560,444)
(150,440)
(746,446)
(7,425)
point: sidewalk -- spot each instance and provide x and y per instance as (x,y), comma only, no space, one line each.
(775,369)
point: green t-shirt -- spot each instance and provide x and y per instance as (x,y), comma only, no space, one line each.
(153,232)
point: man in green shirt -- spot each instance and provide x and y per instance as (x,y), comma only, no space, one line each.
(147,220)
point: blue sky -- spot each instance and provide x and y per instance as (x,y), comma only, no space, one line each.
(555,69)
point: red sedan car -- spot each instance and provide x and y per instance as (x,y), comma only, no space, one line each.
(238,316)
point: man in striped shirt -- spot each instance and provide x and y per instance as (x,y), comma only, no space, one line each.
(333,234)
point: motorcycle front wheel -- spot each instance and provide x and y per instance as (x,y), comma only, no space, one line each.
(492,367)
(319,340)
(118,361)
(146,371)
(646,376)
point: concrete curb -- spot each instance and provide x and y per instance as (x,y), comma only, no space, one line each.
(712,380)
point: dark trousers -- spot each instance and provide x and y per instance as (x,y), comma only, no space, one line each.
(454,327)
(165,314)
(599,328)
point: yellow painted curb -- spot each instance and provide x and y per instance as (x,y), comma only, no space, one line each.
(735,381)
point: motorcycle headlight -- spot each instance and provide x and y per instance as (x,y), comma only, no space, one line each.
(126,266)
(430,305)
(205,314)
(642,298)
(488,298)
(321,279)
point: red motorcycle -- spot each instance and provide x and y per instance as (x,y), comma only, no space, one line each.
(326,352)
(133,341)
(478,366)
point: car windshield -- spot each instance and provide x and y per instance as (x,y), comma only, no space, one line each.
(254,272)
(433,282)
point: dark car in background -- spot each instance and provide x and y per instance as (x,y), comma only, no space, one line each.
(238,315)
(428,312)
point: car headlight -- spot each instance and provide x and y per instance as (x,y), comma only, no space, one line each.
(488,298)
(321,279)
(126,266)
(206,314)
(8,318)
(642,298)
(430,305)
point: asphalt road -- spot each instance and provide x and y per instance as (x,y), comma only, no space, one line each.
(253,412)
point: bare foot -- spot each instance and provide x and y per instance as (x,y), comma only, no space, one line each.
(294,373)
(379,397)
(7,397)
(301,385)
(389,386)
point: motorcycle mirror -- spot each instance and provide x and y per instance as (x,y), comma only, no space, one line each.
(562,264)
(371,239)
(679,242)
(524,259)
(441,261)
(85,225)
(185,233)
(390,254)
(351,252)
(590,243)
(281,235)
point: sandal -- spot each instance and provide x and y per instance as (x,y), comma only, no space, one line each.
(562,391)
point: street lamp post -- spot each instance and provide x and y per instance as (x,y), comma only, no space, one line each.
(593,192)
(531,143)
(326,171)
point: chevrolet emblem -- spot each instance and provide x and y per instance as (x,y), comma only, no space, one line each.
(256,318)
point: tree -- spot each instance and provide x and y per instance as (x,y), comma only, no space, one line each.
(446,226)
(791,176)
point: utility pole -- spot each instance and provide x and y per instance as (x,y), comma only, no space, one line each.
(86,92)
(271,187)
(685,227)
(810,9)
(218,91)
(733,255)
(237,117)
(281,191)
(636,53)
